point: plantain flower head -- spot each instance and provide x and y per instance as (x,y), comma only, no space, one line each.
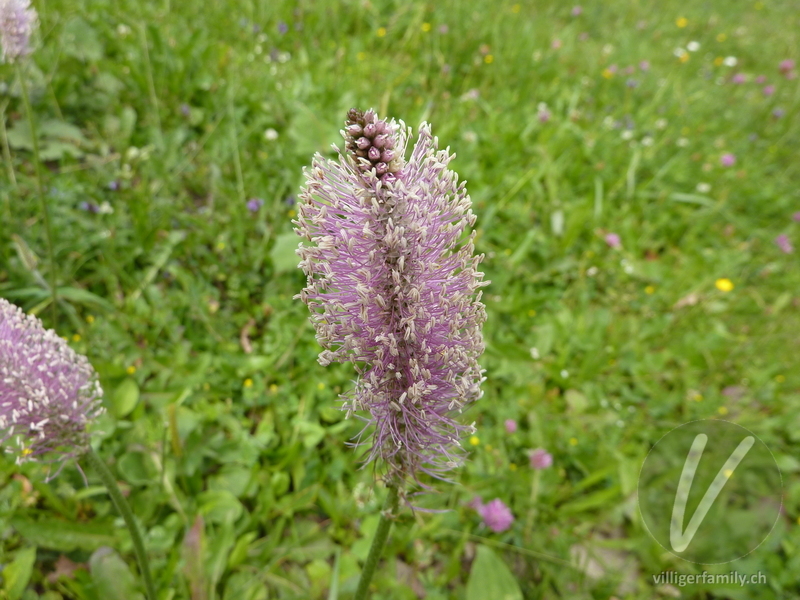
(393,287)
(17,23)
(48,392)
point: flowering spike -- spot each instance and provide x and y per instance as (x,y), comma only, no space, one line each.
(393,287)
(17,22)
(48,392)
(365,136)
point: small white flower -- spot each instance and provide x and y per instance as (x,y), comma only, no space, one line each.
(123,30)
(470,137)
(730,61)
(564,373)
(608,122)
(270,134)
(703,188)
(647,141)
(627,134)
(592,271)
(682,142)
(678,52)
(661,124)
(105,209)
(693,46)
(604,403)
(541,106)
(535,353)
(628,269)
(620,423)
(608,49)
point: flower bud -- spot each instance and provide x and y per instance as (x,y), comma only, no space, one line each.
(381,168)
(379,141)
(387,156)
(363,143)
(374,154)
(370,130)
(354,130)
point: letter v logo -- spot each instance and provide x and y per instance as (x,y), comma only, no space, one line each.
(678,538)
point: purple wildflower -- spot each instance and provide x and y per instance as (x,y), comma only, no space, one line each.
(576,11)
(768,90)
(511,426)
(544,115)
(17,22)
(644,65)
(778,113)
(786,66)
(796,217)
(541,459)
(784,244)
(393,287)
(631,83)
(282,28)
(613,240)
(254,204)
(739,79)
(727,160)
(48,392)
(496,515)
(761,79)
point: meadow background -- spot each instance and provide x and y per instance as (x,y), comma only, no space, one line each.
(174,135)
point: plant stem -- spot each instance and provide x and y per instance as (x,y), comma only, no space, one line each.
(378,542)
(37,165)
(124,509)
(537,475)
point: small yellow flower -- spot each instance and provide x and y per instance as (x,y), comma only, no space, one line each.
(381,31)
(507,251)
(89,319)
(724,284)
(27,452)
(723,410)
(488,59)
(608,73)
(721,37)
(248,383)
(361,55)
(488,447)
(512,467)
(684,57)
(474,440)
(426,27)
(130,370)
(718,61)
(531,313)
(515,8)
(273,388)
(320,386)
(780,378)
(681,22)
(698,397)
(650,289)
(292,213)
(573,441)
(76,337)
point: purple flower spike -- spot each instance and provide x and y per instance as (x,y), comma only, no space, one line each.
(48,392)
(496,515)
(541,459)
(784,243)
(393,287)
(17,22)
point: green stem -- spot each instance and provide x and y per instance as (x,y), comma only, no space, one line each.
(124,509)
(37,165)
(537,475)
(378,542)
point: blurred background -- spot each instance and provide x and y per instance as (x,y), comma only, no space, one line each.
(633,166)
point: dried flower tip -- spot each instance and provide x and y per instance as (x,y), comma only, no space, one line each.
(48,393)
(17,23)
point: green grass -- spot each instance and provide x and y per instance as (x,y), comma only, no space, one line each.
(183,300)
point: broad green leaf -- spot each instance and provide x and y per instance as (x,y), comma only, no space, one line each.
(125,398)
(17,574)
(112,577)
(219,506)
(137,468)
(64,536)
(491,578)
(80,40)
(284,257)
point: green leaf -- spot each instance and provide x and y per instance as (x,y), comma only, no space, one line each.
(125,398)
(17,574)
(137,468)
(80,40)
(284,257)
(491,578)
(64,536)
(219,506)
(112,577)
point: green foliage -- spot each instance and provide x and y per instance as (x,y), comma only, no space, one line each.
(159,120)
